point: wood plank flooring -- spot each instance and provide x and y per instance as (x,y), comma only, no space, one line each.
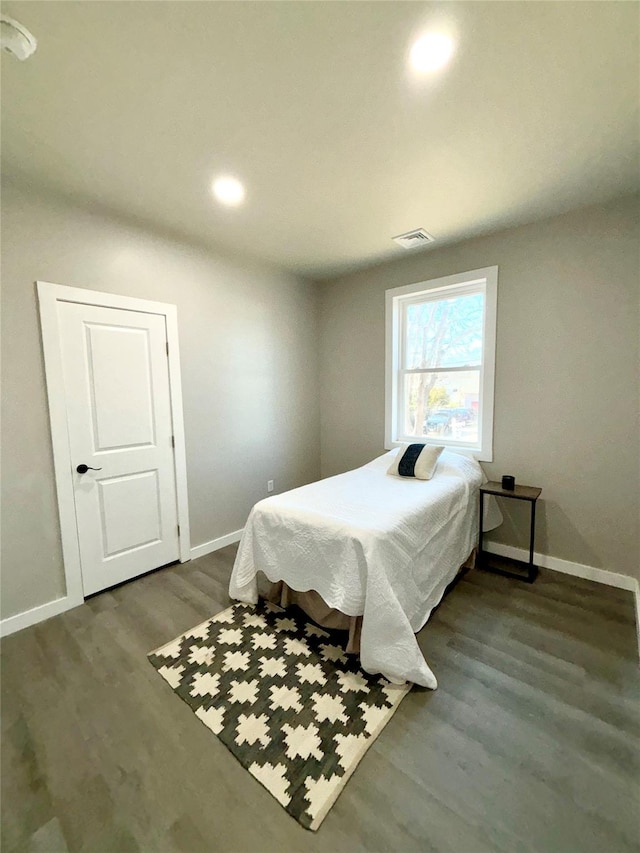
(531,742)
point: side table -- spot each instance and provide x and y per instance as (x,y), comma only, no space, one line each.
(504,565)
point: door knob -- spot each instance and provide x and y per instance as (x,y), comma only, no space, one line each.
(82,469)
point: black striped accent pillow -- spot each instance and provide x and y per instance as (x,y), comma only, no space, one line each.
(416,460)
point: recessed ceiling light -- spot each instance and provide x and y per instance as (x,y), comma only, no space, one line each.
(228,191)
(431,52)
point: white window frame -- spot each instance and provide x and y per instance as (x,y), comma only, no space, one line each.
(475,281)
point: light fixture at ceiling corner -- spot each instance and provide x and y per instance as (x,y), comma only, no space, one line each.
(16,38)
(431,52)
(228,190)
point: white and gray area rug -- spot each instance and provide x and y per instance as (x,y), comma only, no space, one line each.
(281,694)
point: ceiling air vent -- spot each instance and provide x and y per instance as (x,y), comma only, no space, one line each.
(413,239)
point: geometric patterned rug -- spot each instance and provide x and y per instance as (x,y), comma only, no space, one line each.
(281,694)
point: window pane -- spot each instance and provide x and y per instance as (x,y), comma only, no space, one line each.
(444,332)
(438,405)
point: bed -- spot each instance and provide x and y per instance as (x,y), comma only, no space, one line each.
(371,545)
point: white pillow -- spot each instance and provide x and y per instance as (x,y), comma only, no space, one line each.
(416,460)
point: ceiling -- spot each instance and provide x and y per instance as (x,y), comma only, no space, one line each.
(136,106)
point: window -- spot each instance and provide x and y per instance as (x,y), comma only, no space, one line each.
(440,362)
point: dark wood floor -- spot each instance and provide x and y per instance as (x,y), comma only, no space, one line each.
(531,742)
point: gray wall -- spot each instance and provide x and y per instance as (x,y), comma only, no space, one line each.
(249,349)
(566,380)
(566,406)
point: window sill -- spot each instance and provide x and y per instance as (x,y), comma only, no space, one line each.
(476,452)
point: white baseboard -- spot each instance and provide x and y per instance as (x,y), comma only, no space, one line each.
(590,573)
(60,605)
(37,614)
(216,544)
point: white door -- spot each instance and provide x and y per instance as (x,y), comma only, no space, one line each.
(117,395)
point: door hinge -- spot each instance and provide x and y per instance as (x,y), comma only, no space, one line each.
(178,530)
(173,441)
(167,348)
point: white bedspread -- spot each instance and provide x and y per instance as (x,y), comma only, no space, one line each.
(370,544)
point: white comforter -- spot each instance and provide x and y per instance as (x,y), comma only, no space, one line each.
(370,544)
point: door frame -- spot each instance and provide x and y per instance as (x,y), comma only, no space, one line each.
(49,295)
